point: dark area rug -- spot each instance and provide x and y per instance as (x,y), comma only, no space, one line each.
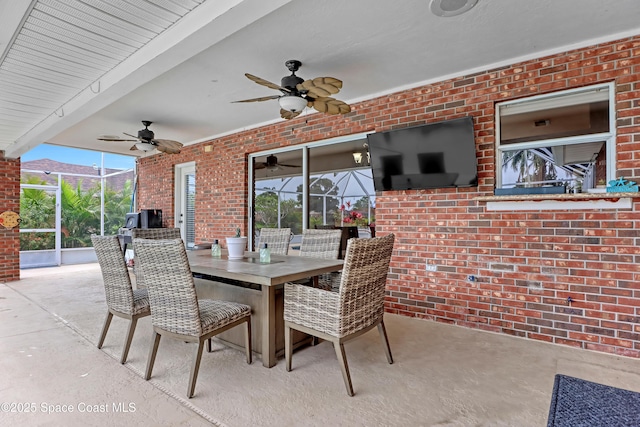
(576,403)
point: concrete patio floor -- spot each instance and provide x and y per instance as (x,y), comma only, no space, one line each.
(443,375)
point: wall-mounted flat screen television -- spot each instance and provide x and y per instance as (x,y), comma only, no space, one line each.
(434,155)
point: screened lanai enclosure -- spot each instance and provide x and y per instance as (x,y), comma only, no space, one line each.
(60,210)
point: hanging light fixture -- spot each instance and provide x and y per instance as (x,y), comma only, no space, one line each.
(144,146)
(357,157)
(293,103)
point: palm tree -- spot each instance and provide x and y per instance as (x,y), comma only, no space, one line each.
(530,166)
(80,215)
(37,210)
(116,206)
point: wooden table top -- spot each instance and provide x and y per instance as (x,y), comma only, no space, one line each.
(282,269)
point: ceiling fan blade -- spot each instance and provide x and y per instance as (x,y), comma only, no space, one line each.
(285,114)
(320,86)
(263,98)
(266,83)
(166,150)
(167,145)
(331,106)
(113,138)
(133,136)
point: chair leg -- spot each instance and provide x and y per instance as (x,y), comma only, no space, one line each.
(128,339)
(385,341)
(288,352)
(209,345)
(247,340)
(105,328)
(342,359)
(152,354)
(194,370)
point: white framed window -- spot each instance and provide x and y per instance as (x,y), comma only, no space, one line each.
(558,142)
(319,183)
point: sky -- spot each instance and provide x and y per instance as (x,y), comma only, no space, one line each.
(77,156)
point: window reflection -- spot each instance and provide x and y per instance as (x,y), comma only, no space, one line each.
(577,167)
(340,192)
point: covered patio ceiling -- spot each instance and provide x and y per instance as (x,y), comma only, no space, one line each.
(181,63)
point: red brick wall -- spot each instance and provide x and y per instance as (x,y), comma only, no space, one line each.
(9,201)
(156,185)
(527,263)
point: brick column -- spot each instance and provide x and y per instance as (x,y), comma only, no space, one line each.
(9,201)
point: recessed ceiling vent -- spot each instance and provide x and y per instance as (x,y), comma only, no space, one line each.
(447,8)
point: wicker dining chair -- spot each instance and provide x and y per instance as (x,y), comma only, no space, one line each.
(357,307)
(150,233)
(155,233)
(122,300)
(277,238)
(322,243)
(176,312)
(349,232)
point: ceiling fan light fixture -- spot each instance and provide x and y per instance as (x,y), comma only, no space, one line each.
(144,146)
(293,103)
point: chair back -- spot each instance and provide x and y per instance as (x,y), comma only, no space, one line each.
(115,275)
(150,233)
(155,233)
(320,243)
(277,238)
(363,283)
(347,233)
(172,293)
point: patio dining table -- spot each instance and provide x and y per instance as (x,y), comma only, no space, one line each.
(260,285)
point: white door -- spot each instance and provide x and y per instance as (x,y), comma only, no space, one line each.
(185,197)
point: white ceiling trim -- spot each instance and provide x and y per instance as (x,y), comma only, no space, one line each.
(63,46)
(214,21)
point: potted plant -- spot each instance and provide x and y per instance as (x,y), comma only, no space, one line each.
(236,245)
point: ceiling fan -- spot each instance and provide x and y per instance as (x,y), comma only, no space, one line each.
(272,164)
(298,93)
(146,140)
